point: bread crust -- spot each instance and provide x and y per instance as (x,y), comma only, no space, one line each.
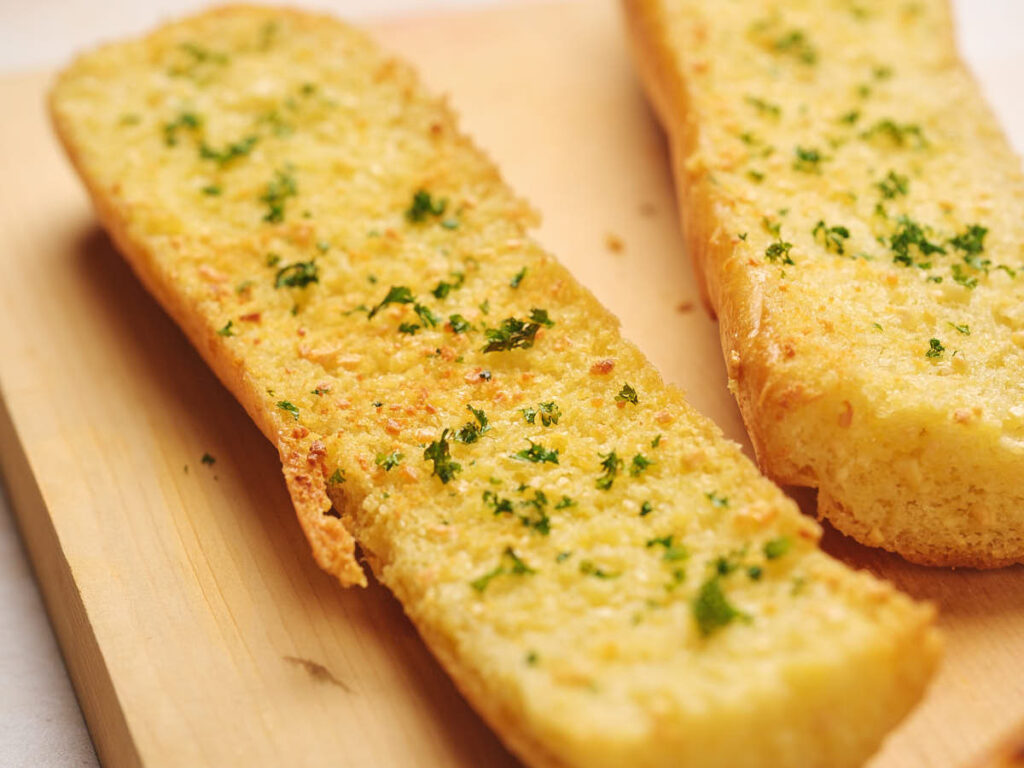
(781,406)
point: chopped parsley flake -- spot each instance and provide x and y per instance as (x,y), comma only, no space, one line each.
(459,324)
(646,509)
(212,190)
(776,548)
(638,465)
(397,294)
(409,328)
(297,275)
(611,464)
(227,330)
(518,278)
(423,312)
(186,120)
(423,205)
(656,441)
(964,329)
(795,43)
(279,189)
(779,252)
(935,348)
(673,552)
(208,460)
(765,108)
(337,477)
(910,233)
(960,277)
(499,505)
(808,160)
(537,454)
(284,405)
(511,564)
(898,134)
(719,502)
(470,432)
(549,413)
(565,503)
(389,461)
(440,453)
(627,395)
(516,334)
(230,152)
(443,288)
(893,185)
(711,609)
(971,241)
(588,568)
(833,238)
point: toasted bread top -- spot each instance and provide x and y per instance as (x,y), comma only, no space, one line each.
(605,576)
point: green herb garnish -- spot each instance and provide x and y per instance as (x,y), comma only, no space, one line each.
(776,548)
(388,461)
(440,453)
(297,275)
(279,189)
(711,609)
(537,454)
(627,395)
(284,405)
(610,466)
(397,294)
(639,464)
(423,205)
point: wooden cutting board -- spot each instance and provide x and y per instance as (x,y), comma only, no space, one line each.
(196,628)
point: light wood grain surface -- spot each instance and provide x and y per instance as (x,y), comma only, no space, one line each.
(196,628)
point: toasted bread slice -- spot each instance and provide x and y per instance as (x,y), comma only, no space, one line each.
(856,215)
(608,580)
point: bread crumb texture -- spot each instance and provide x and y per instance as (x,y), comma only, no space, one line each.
(608,580)
(858,215)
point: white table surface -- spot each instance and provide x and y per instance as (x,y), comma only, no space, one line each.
(41,725)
